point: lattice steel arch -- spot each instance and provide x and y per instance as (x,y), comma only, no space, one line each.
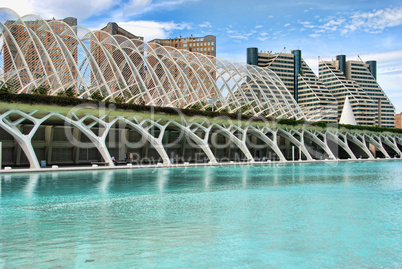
(162,76)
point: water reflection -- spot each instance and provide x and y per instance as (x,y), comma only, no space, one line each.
(105,182)
(163,179)
(105,179)
(244,178)
(207,178)
(30,187)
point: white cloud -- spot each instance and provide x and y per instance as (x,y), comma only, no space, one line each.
(134,7)
(258,26)
(84,9)
(333,25)
(372,22)
(314,35)
(60,9)
(205,25)
(376,20)
(385,56)
(287,25)
(239,37)
(307,24)
(152,29)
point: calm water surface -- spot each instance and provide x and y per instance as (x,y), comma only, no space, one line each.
(276,216)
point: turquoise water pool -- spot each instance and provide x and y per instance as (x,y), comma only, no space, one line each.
(323,215)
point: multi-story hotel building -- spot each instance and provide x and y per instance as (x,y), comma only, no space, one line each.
(357,80)
(31,65)
(204,45)
(365,74)
(102,54)
(311,95)
(113,29)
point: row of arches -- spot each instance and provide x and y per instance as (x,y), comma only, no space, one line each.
(73,140)
(53,54)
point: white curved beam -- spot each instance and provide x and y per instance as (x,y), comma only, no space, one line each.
(272,144)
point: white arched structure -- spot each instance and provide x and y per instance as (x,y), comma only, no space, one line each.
(53,55)
(23,127)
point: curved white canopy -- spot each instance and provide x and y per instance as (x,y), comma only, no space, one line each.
(34,54)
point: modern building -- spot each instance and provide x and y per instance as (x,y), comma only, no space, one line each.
(113,29)
(308,91)
(365,74)
(357,80)
(205,45)
(323,97)
(103,47)
(398,121)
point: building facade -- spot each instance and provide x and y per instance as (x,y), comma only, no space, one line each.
(357,79)
(323,97)
(50,34)
(205,45)
(308,91)
(103,47)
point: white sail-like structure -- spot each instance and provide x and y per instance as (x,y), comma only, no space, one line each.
(347,116)
(33,55)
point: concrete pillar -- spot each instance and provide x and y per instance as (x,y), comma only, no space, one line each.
(49,131)
(76,150)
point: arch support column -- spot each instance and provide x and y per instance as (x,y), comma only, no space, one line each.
(342,144)
(361,144)
(322,144)
(272,143)
(376,141)
(298,143)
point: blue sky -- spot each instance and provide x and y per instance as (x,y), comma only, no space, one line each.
(366,28)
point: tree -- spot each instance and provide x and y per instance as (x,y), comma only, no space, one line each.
(97,96)
(69,92)
(42,90)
